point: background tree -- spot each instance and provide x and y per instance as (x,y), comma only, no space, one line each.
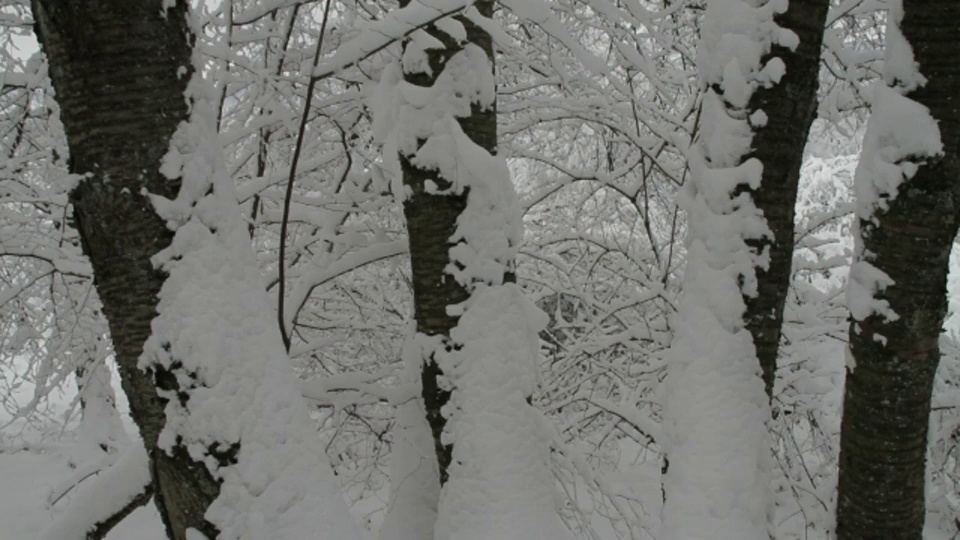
(790,107)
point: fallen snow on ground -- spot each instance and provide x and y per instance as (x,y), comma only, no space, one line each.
(28,476)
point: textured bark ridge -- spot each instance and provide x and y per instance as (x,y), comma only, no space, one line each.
(432,220)
(887,396)
(120,69)
(790,106)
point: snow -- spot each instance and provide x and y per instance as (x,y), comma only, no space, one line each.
(735,36)
(91,504)
(900,135)
(500,484)
(899,67)
(539,12)
(216,332)
(715,409)
(864,282)
(717,485)
(24,511)
(325,270)
(452,28)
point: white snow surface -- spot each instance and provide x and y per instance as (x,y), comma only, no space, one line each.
(735,36)
(715,409)
(124,480)
(899,67)
(900,135)
(500,483)
(25,510)
(216,331)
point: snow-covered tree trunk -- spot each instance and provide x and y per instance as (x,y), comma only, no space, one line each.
(432,221)
(120,103)
(790,107)
(232,450)
(477,335)
(908,208)
(717,483)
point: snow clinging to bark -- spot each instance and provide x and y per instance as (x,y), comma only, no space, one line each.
(414,474)
(236,405)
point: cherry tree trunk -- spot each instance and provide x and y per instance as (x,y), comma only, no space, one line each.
(431,222)
(886,406)
(120,69)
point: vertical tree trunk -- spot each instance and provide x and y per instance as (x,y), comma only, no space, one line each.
(883,441)
(753,127)
(477,333)
(120,69)
(431,222)
(790,106)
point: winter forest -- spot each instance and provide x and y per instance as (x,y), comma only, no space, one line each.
(479,269)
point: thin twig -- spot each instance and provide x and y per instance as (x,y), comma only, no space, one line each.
(288,197)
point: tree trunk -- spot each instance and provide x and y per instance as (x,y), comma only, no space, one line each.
(744,166)
(790,106)
(883,440)
(120,69)
(431,222)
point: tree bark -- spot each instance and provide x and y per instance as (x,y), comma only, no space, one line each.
(790,106)
(883,440)
(431,222)
(120,69)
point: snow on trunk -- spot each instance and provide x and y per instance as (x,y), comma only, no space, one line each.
(414,476)
(901,136)
(717,485)
(500,485)
(101,430)
(234,403)
(104,497)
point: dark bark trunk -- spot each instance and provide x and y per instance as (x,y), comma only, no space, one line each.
(883,440)
(120,69)
(431,221)
(790,106)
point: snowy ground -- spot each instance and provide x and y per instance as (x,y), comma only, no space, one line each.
(28,475)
